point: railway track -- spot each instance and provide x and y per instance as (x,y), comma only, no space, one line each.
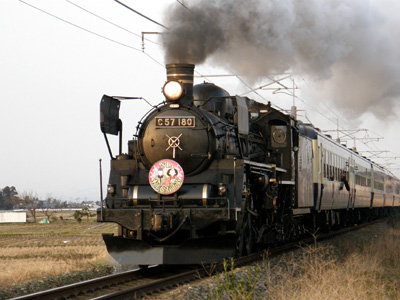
(139,283)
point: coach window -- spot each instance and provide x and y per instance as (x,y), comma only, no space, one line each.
(366,177)
(334,166)
(341,166)
(379,185)
(327,164)
(337,168)
(362,180)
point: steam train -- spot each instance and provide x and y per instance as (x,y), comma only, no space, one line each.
(209,176)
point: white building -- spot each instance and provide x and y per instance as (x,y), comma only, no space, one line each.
(9,216)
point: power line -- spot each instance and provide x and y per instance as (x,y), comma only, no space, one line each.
(99,35)
(128,46)
(77,26)
(184,6)
(105,20)
(323,111)
(142,15)
(367,145)
(253,90)
(152,58)
(94,33)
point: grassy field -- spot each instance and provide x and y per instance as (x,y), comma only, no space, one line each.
(30,250)
(360,265)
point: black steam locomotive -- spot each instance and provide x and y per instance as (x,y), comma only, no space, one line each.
(209,176)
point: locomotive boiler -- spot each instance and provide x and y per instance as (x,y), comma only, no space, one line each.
(209,176)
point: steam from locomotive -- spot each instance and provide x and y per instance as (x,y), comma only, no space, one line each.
(349,48)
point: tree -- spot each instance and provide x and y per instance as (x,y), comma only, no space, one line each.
(83,213)
(48,212)
(78,215)
(7,197)
(30,201)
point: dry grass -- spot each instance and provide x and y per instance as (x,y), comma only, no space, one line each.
(29,251)
(357,267)
(360,265)
(29,263)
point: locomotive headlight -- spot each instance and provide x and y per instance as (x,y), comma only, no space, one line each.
(173,90)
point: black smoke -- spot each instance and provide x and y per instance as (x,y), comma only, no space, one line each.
(350,49)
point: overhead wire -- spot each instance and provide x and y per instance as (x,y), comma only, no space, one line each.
(344,120)
(80,27)
(152,58)
(324,113)
(162,65)
(250,87)
(99,35)
(140,14)
(291,94)
(183,5)
(105,20)
(313,108)
(331,111)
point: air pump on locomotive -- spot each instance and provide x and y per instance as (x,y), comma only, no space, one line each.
(209,176)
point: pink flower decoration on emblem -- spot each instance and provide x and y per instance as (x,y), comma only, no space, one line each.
(166,176)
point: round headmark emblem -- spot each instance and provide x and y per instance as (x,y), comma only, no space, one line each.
(166,176)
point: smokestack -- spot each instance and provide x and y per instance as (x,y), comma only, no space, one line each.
(182,73)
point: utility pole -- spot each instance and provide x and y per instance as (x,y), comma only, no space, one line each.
(337,130)
(294,108)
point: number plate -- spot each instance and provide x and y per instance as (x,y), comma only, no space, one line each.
(174,122)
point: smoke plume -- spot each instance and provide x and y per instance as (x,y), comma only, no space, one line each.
(349,48)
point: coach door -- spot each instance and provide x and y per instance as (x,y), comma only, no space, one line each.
(351,180)
(319,185)
(372,186)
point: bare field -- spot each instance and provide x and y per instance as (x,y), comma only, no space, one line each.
(29,250)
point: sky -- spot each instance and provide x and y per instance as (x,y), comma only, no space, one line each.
(57,62)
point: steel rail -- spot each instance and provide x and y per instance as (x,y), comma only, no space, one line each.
(82,287)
